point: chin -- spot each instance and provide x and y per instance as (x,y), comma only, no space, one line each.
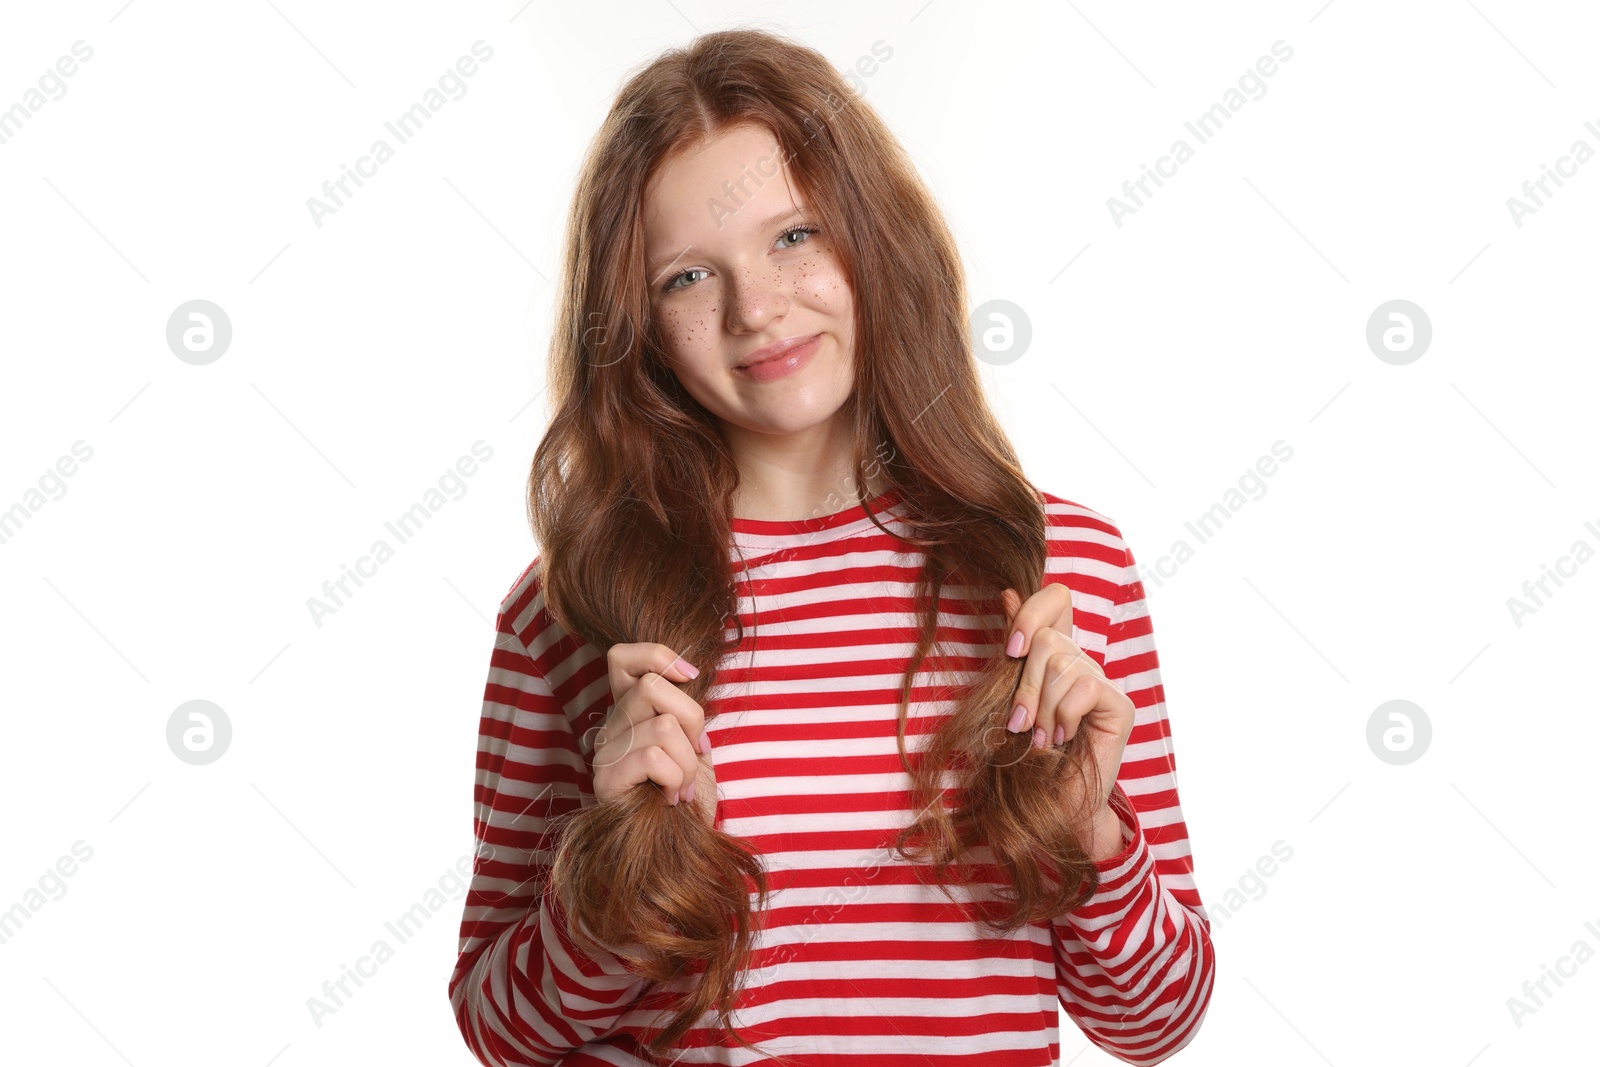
(787,418)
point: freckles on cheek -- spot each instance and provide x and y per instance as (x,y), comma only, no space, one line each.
(821,280)
(676,326)
(686,330)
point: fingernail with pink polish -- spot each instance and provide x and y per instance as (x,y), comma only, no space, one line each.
(1018,717)
(1014,648)
(704,744)
(688,794)
(1061,734)
(1038,737)
(686,667)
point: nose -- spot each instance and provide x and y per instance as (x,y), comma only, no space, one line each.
(755,298)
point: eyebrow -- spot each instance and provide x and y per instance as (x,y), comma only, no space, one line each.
(655,266)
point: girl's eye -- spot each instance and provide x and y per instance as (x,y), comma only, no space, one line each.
(794,230)
(672,283)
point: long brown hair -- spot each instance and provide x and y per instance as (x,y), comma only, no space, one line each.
(630,499)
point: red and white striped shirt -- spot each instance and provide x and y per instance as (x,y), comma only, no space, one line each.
(855,960)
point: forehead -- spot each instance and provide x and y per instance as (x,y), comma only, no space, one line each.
(706,187)
(715,160)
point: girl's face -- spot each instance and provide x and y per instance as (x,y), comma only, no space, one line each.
(735,264)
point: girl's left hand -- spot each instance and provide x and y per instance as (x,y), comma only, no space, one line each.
(1064,690)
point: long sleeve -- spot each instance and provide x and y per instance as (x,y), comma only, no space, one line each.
(1134,963)
(523,993)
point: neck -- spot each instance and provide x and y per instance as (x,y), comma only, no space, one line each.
(796,476)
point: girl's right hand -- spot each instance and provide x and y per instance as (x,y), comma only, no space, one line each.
(655,731)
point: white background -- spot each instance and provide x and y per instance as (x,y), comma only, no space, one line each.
(1168,355)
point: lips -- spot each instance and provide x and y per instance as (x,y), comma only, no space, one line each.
(776,350)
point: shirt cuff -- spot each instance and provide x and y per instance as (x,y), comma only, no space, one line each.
(1132,836)
(1123,878)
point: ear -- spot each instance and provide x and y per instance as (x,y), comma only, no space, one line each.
(1012,602)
